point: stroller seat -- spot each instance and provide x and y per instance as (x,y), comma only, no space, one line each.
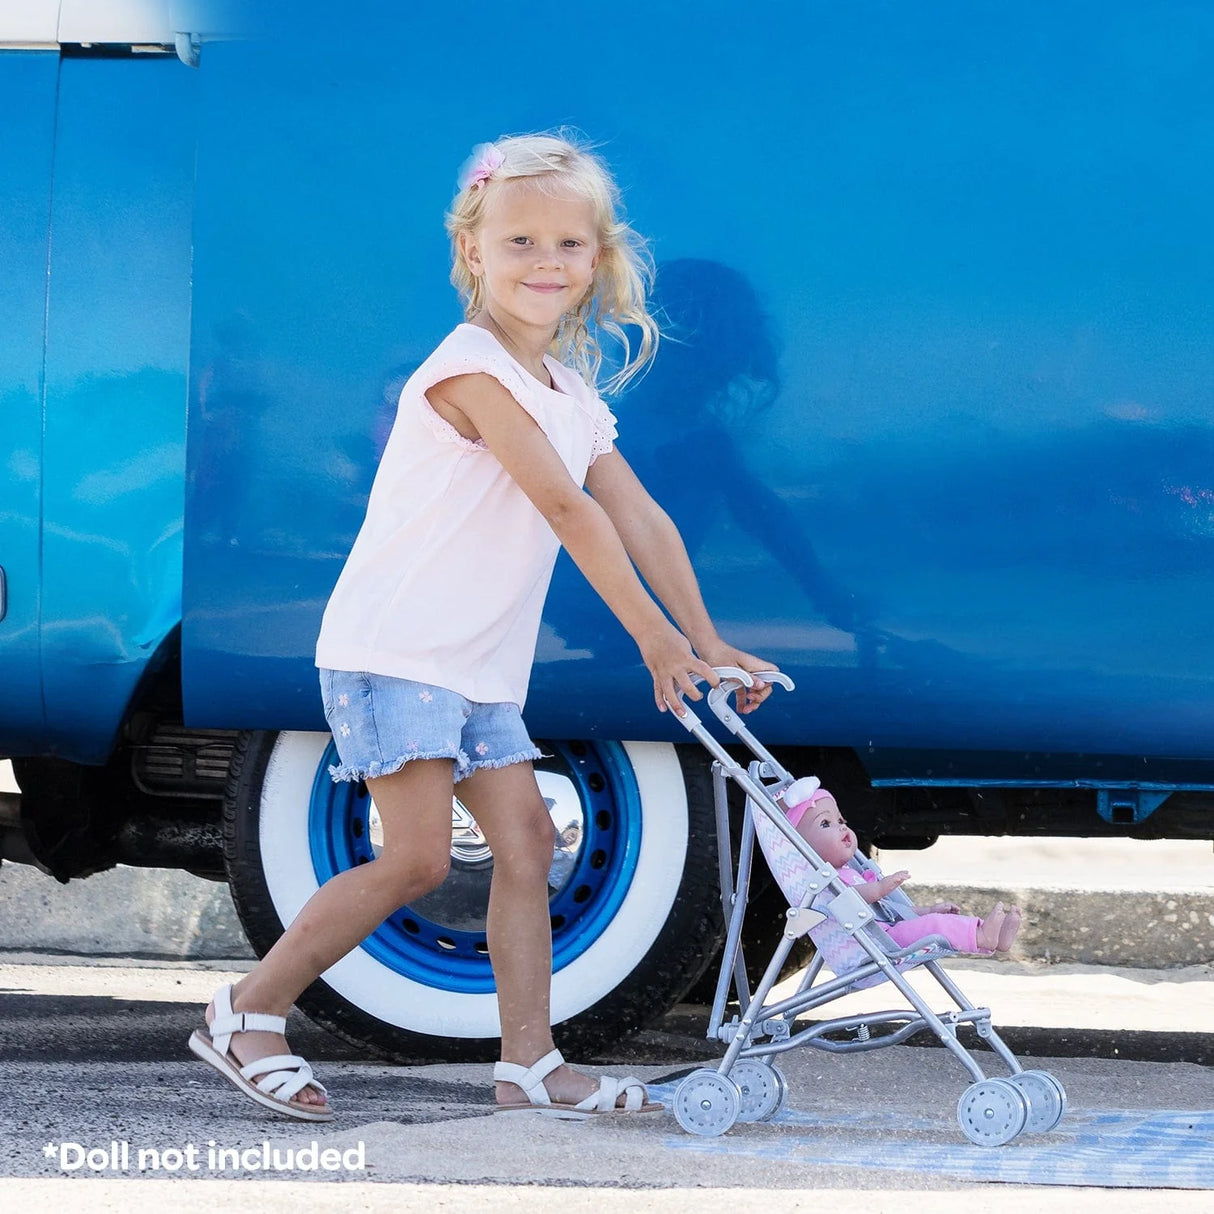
(837,946)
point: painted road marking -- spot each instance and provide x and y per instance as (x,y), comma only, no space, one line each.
(1110,1148)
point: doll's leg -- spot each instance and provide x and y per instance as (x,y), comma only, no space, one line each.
(994,934)
(961,931)
(998,931)
(1009,930)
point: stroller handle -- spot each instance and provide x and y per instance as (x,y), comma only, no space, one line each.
(732,678)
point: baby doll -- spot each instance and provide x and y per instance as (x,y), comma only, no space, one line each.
(815,815)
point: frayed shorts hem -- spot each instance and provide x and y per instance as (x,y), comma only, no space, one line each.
(523,756)
(372,770)
(464,767)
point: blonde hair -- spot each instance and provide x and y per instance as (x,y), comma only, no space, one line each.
(562,165)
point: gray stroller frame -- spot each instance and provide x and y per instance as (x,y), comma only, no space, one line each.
(745,1086)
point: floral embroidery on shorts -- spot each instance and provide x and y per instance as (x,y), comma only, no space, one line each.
(343,700)
(411,745)
(482,748)
(425,697)
(344,730)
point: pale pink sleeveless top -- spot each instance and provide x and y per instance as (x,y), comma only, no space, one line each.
(448,575)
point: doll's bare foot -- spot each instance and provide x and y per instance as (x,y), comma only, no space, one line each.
(990,928)
(1010,930)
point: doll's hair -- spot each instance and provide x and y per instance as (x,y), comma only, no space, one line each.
(562,165)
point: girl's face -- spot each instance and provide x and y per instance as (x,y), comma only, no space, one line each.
(534,254)
(824,830)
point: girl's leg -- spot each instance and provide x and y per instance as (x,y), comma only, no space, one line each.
(507,806)
(415,808)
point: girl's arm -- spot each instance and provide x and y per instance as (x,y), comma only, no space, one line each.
(652,541)
(580,523)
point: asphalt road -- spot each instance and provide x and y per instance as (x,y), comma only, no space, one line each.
(94,1055)
(93,1059)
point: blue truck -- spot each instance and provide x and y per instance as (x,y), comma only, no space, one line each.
(935,415)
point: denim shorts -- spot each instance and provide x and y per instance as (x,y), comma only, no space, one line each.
(379,723)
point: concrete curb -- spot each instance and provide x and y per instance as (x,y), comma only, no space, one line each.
(131,912)
(1138,928)
(125,912)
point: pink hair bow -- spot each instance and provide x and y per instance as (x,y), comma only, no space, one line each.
(486,159)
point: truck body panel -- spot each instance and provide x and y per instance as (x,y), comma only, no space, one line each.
(935,416)
(934,413)
(28,83)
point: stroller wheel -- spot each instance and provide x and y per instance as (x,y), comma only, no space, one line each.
(1046,1097)
(992,1112)
(706,1103)
(763,1089)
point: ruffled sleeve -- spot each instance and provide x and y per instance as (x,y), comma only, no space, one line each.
(605,432)
(467,351)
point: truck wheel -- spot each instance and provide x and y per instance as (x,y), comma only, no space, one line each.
(634,901)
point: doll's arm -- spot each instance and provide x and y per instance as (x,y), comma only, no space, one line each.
(939,908)
(874,891)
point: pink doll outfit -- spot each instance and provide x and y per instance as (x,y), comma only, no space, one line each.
(961,931)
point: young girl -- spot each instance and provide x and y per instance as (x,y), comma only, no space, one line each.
(815,814)
(427,642)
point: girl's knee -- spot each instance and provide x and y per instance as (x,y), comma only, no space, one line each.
(528,845)
(413,872)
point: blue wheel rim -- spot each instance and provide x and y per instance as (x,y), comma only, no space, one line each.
(450,958)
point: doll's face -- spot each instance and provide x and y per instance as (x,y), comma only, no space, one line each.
(824,830)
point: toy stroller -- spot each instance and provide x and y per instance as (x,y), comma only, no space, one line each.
(746,1086)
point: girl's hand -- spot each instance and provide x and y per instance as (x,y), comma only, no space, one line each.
(718,653)
(668,655)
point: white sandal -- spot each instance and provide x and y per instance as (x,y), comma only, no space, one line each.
(283,1076)
(531,1080)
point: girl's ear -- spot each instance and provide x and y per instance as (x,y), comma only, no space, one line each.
(470,252)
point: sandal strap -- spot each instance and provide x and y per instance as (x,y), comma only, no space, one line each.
(530,1078)
(226,1022)
(247,1022)
(610,1090)
(274,1062)
(285,1075)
